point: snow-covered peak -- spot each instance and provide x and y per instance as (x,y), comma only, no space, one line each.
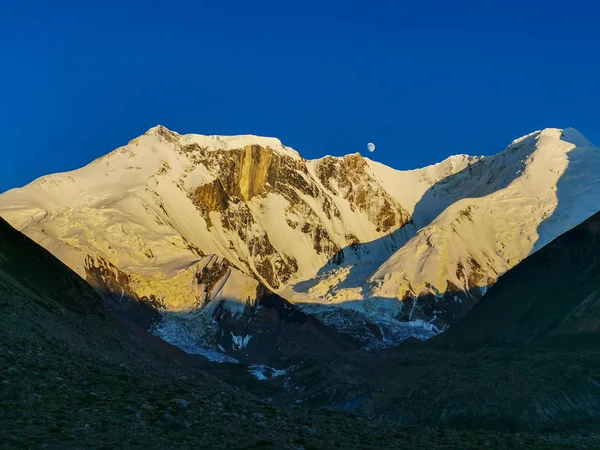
(217,142)
(158,129)
(549,137)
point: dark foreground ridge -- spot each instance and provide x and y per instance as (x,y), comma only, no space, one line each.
(73,376)
(553,295)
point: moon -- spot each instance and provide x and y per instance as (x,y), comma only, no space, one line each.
(371,147)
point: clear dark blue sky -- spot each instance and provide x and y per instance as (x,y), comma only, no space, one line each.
(421,79)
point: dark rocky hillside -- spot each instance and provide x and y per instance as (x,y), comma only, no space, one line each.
(554,293)
(72,376)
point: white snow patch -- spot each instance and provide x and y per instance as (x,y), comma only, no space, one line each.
(262,372)
(240,342)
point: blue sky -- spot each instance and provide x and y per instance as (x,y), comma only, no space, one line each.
(422,80)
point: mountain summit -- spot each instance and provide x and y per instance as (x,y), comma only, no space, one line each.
(189,232)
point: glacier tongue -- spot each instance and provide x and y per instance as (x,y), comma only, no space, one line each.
(171,331)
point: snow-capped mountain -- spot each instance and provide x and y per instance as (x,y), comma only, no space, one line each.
(471,226)
(187,233)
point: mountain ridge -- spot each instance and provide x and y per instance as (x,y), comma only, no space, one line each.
(421,246)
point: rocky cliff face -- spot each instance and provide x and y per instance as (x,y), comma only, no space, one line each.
(249,176)
(351,178)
